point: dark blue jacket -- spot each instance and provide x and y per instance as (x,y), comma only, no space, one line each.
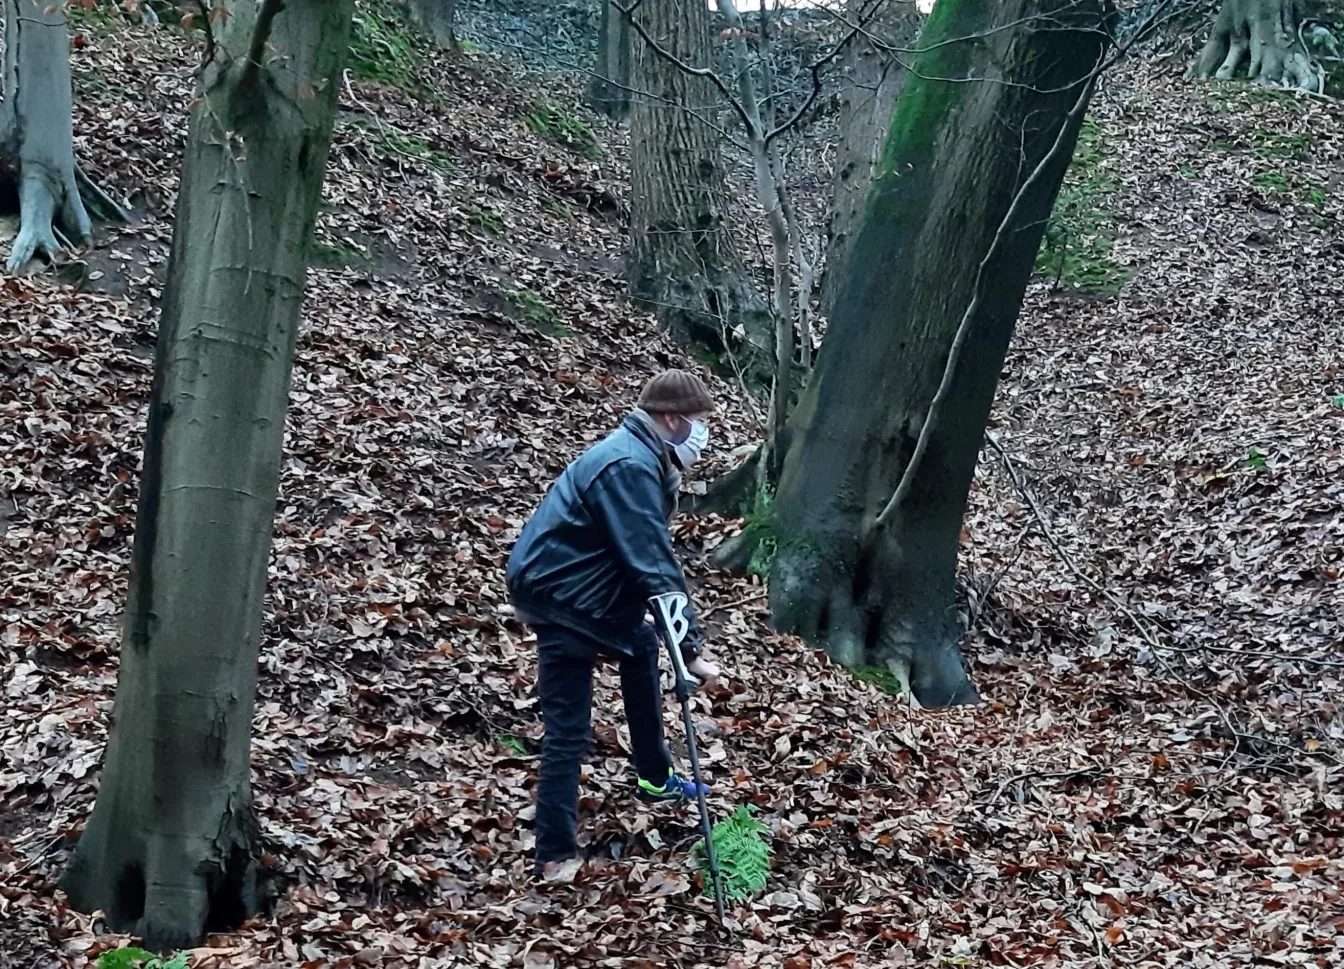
(598,547)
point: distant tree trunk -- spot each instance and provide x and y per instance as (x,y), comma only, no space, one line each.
(957,154)
(868,91)
(36,133)
(170,850)
(435,18)
(609,91)
(684,262)
(1266,31)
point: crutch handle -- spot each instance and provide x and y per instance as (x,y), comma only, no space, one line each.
(669,614)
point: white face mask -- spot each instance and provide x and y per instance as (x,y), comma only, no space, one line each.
(689,450)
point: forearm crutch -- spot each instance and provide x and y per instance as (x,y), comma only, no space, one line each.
(672,625)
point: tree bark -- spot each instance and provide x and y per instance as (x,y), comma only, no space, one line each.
(1266,31)
(169,852)
(609,91)
(434,19)
(869,87)
(683,261)
(957,154)
(36,130)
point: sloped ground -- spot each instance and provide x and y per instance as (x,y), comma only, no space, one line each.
(1110,803)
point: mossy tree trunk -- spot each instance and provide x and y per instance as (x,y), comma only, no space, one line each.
(1267,33)
(170,850)
(684,262)
(609,91)
(957,154)
(869,87)
(435,19)
(37,134)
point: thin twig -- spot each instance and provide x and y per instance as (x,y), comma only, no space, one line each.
(977,295)
(40,855)
(1050,537)
(705,72)
(736,603)
(945,384)
(1044,775)
(209,30)
(1148,637)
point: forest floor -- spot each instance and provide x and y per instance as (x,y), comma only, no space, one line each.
(1156,777)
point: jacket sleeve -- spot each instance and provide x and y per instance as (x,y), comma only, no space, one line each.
(628,499)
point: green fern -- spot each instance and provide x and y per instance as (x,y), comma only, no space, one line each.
(133,958)
(742,852)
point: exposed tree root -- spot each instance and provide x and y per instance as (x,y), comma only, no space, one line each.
(37,138)
(38,215)
(101,206)
(730,493)
(736,553)
(1267,32)
(890,604)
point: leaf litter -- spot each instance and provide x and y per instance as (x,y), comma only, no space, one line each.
(1161,796)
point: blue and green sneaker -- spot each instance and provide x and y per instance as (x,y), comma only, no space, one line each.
(675,788)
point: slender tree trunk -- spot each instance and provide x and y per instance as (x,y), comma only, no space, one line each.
(957,155)
(1266,32)
(609,91)
(36,131)
(869,88)
(683,261)
(170,850)
(435,18)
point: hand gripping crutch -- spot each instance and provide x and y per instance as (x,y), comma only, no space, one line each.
(672,625)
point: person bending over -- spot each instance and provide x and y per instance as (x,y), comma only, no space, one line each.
(581,574)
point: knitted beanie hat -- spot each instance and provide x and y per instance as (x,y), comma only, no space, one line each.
(676,392)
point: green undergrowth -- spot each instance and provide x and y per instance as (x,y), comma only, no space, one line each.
(133,958)
(1268,145)
(743,854)
(1289,186)
(337,254)
(95,15)
(512,744)
(536,312)
(486,221)
(383,48)
(389,143)
(555,124)
(760,528)
(1076,248)
(1229,97)
(880,677)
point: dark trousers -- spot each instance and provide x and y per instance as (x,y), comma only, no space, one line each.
(566,660)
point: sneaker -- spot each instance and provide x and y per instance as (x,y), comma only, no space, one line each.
(675,788)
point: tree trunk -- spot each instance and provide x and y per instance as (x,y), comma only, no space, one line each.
(609,91)
(684,262)
(868,91)
(1267,32)
(434,18)
(957,155)
(36,131)
(170,850)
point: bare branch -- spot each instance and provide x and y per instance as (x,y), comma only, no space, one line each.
(209,30)
(1149,638)
(637,92)
(629,14)
(977,295)
(260,34)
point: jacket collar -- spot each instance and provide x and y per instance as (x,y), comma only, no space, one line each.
(640,423)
